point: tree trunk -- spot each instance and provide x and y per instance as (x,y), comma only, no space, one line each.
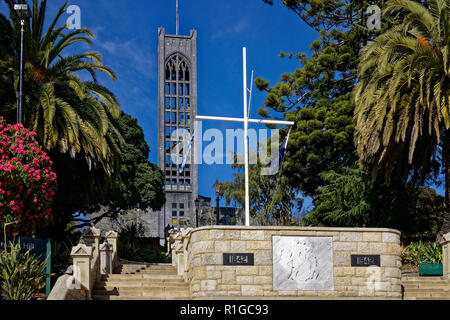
(446,161)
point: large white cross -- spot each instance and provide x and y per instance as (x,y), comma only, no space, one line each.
(246,121)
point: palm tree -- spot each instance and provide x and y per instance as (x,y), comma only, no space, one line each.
(402,96)
(70,115)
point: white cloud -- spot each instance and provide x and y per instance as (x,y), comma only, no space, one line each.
(131,56)
(238,27)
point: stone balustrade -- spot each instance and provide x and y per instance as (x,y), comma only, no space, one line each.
(199,255)
(90,260)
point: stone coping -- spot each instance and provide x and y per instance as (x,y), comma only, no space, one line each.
(292,298)
(281,228)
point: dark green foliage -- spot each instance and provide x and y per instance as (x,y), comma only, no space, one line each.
(352,199)
(141,254)
(321,153)
(141,182)
(422,252)
(130,234)
(317,95)
(344,201)
(130,246)
(21,274)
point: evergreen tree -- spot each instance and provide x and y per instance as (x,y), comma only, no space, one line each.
(317,96)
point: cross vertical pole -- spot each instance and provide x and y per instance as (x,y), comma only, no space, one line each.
(247,192)
(178,23)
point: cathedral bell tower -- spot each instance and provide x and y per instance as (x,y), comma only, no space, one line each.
(177,109)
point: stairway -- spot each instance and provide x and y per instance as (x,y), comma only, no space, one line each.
(142,282)
(425,288)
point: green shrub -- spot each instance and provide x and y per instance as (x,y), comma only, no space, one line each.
(152,255)
(21,274)
(126,251)
(422,252)
(141,254)
(131,234)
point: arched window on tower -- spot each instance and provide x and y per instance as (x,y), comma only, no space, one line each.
(177,100)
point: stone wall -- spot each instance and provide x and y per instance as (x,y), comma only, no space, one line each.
(64,289)
(202,261)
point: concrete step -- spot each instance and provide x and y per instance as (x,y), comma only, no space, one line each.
(426,298)
(426,286)
(426,291)
(141,276)
(124,262)
(147,272)
(149,265)
(144,292)
(424,279)
(141,286)
(131,298)
(140,283)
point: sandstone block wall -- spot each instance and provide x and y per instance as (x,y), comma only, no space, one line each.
(209,278)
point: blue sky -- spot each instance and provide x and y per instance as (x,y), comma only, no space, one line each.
(126,36)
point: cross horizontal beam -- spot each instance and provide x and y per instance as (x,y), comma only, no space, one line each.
(260,121)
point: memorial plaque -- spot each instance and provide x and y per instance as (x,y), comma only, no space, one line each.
(303,263)
(365,260)
(238,259)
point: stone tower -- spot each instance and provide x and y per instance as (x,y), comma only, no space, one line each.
(177,108)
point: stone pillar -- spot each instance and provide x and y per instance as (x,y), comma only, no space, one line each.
(111,238)
(106,261)
(446,255)
(92,238)
(82,256)
(186,237)
(180,259)
(178,254)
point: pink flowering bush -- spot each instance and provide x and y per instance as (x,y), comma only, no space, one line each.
(27,182)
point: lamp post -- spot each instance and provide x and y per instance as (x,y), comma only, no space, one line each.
(217,190)
(22,13)
(197,205)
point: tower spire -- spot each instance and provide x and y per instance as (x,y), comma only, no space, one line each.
(178,23)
